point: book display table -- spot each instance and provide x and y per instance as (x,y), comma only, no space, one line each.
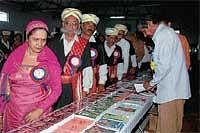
(118,109)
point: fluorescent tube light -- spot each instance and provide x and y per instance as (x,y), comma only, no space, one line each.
(117,17)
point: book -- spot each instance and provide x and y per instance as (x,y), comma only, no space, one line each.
(139,87)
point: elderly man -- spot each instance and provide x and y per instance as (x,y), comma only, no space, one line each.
(113,56)
(89,24)
(127,49)
(74,57)
(5,47)
(170,77)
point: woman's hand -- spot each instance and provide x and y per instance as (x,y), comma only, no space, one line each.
(34,115)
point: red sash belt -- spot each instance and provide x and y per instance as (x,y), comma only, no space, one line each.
(76,81)
(66,79)
(112,71)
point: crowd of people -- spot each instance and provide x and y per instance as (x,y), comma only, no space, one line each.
(40,75)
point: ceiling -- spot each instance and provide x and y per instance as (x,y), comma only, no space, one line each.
(102,8)
(183,12)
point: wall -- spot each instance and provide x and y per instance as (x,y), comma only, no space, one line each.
(190,24)
(19,19)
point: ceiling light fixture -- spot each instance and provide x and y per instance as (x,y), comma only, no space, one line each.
(117,17)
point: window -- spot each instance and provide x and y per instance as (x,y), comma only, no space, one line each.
(4,16)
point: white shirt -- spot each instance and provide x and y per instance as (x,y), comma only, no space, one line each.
(109,51)
(87,72)
(125,46)
(103,74)
(146,57)
(68,45)
(92,39)
(171,75)
(134,60)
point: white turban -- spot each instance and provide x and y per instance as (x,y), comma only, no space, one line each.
(6,33)
(90,17)
(111,31)
(121,27)
(16,32)
(71,12)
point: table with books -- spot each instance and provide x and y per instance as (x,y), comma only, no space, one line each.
(118,109)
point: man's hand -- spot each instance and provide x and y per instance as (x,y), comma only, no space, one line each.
(147,86)
(85,93)
(34,115)
(132,70)
(100,88)
(124,76)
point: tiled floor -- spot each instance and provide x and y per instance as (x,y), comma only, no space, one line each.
(191,121)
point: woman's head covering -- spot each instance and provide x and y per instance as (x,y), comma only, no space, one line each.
(35,24)
(111,31)
(90,17)
(71,12)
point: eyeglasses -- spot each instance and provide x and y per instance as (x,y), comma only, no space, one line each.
(70,23)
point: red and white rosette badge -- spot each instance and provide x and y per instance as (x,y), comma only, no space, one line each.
(74,62)
(94,55)
(116,56)
(39,74)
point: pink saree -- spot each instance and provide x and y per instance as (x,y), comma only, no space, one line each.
(26,94)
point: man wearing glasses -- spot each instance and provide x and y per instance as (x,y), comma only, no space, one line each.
(73,53)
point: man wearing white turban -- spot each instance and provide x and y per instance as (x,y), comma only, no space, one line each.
(89,24)
(127,50)
(113,56)
(74,57)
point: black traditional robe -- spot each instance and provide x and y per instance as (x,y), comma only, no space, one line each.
(111,61)
(4,52)
(57,46)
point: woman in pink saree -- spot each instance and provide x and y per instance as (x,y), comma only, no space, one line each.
(30,80)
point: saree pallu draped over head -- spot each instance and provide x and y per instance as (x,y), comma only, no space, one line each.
(71,68)
(30,86)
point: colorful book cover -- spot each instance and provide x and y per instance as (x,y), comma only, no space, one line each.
(117,117)
(125,109)
(111,124)
(97,129)
(74,125)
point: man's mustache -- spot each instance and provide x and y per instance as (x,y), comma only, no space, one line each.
(90,30)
